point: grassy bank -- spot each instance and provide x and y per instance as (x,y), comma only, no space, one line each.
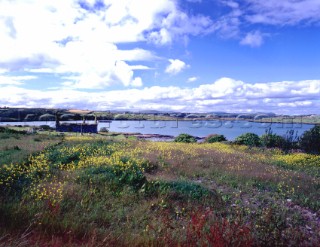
(98,191)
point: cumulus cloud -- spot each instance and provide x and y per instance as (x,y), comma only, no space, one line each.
(225,94)
(80,39)
(175,66)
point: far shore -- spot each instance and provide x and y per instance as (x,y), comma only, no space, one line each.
(266,120)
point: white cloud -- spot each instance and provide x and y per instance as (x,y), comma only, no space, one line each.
(2,71)
(253,39)
(231,4)
(15,80)
(225,94)
(81,40)
(192,79)
(284,12)
(175,66)
(137,82)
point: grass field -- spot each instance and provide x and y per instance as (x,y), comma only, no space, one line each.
(16,146)
(98,191)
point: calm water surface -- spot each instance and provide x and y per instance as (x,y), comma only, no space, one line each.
(230,129)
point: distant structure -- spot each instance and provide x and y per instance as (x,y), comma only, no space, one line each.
(76,127)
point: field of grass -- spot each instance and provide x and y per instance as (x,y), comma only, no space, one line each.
(98,191)
(16,145)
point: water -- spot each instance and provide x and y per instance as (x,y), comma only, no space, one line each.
(230,129)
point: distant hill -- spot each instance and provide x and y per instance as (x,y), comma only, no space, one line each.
(43,114)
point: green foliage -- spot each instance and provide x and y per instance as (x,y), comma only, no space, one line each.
(291,140)
(215,138)
(310,140)
(58,157)
(182,190)
(249,139)
(116,177)
(45,127)
(11,131)
(13,182)
(270,140)
(104,130)
(186,138)
(287,142)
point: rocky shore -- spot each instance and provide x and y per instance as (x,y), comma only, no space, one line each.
(154,136)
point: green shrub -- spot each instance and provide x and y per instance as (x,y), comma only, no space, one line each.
(104,130)
(45,127)
(291,140)
(215,138)
(181,190)
(249,139)
(115,175)
(16,180)
(310,140)
(270,140)
(186,138)
(57,156)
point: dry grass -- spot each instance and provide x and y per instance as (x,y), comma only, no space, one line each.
(15,148)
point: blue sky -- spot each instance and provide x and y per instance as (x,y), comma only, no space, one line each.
(192,55)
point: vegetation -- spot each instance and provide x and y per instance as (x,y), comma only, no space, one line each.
(17,145)
(271,140)
(249,139)
(98,191)
(290,141)
(104,130)
(185,138)
(310,140)
(215,138)
(296,120)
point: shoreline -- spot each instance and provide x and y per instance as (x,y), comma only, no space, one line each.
(153,136)
(184,119)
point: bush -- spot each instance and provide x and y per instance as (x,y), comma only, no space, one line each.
(310,140)
(270,140)
(180,190)
(215,138)
(45,127)
(249,139)
(116,176)
(186,138)
(104,130)
(291,140)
